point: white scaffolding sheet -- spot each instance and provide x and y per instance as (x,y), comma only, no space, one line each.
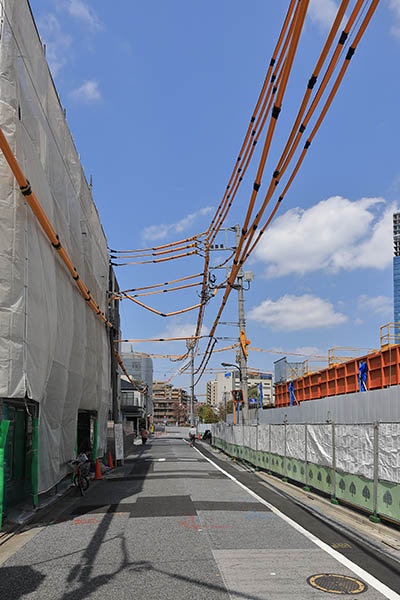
(53,349)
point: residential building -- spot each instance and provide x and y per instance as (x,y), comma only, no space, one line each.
(132,403)
(212,392)
(226,382)
(170,405)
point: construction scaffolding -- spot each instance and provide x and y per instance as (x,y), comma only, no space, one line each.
(54,350)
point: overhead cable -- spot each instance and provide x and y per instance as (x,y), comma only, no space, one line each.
(299,18)
(235,172)
(148,287)
(184,241)
(158,260)
(113,256)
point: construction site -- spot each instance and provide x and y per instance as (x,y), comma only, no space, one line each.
(112,338)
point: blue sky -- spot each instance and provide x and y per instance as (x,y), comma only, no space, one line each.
(158,96)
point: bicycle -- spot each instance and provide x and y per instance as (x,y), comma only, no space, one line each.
(81,469)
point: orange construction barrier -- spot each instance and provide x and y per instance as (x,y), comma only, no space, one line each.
(110,460)
(97,473)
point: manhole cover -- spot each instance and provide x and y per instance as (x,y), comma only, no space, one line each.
(337,584)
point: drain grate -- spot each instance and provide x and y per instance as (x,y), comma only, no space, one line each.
(337,584)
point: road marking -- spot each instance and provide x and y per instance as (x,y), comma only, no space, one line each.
(370,579)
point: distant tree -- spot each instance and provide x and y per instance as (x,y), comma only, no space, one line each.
(207,414)
(180,412)
(222,412)
(352,489)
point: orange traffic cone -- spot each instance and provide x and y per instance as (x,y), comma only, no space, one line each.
(97,473)
(110,460)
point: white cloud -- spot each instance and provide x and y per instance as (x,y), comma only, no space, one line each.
(394,6)
(378,305)
(310,351)
(179,329)
(81,11)
(332,235)
(294,313)
(58,43)
(322,12)
(158,232)
(88,92)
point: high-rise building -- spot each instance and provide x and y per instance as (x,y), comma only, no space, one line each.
(396,270)
(212,392)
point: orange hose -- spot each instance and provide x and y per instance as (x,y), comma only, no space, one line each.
(46,225)
(148,287)
(173,339)
(189,239)
(155,253)
(158,260)
(254,114)
(180,287)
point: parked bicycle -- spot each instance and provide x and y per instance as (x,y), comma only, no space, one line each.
(81,470)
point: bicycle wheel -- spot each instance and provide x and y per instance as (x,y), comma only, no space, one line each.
(83,484)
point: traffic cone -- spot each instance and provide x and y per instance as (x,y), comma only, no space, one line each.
(97,472)
(110,461)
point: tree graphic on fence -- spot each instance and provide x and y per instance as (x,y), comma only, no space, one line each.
(366,493)
(387,498)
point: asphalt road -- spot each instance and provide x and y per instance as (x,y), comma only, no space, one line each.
(170,524)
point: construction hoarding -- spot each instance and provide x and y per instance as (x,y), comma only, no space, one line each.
(356,463)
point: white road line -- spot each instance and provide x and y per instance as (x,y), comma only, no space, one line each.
(367,577)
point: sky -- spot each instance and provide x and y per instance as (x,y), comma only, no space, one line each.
(158,96)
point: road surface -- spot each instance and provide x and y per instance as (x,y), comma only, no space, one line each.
(178,522)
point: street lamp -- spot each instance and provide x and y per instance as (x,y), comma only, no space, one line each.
(236,367)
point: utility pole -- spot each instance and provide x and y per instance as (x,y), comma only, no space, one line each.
(242,333)
(190,344)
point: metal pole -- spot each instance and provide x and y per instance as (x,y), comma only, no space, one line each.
(284,478)
(192,388)
(242,327)
(306,487)
(374,517)
(190,345)
(334,499)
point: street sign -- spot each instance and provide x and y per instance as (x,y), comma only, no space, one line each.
(119,441)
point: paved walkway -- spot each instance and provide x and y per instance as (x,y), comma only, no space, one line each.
(171,525)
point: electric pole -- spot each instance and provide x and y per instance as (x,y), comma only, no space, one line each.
(242,335)
(190,344)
